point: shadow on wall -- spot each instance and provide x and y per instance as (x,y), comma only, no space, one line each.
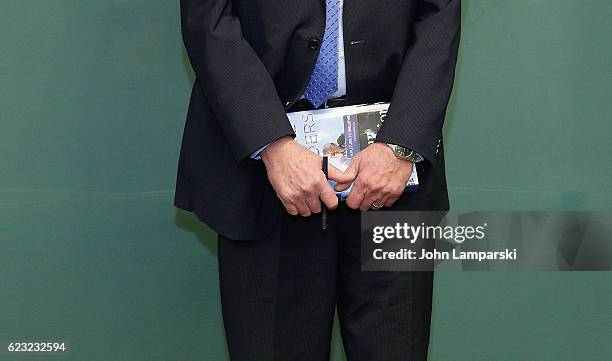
(188,68)
(189,222)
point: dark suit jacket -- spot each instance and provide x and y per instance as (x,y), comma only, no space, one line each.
(253,59)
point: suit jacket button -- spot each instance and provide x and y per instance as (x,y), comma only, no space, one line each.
(313,44)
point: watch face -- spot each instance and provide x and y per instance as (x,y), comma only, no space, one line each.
(408,156)
(403,153)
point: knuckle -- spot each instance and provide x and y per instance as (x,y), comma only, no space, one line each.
(287,196)
(306,187)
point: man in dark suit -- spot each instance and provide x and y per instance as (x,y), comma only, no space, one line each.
(241,173)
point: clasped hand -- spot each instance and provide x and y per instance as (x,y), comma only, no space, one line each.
(378,177)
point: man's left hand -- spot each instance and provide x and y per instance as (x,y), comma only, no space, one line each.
(379,178)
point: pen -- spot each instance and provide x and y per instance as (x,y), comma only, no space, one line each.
(323,207)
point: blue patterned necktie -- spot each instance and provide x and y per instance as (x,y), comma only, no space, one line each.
(324,80)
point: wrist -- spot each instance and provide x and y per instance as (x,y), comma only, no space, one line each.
(275,146)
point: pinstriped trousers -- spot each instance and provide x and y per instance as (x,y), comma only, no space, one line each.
(279,295)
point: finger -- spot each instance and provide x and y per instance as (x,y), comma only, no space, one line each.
(291,209)
(381,201)
(394,196)
(391,200)
(330,199)
(313,203)
(339,187)
(386,199)
(288,204)
(342,177)
(327,194)
(355,196)
(302,208)
(342,186)
(371,197)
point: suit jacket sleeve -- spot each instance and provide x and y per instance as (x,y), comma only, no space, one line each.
(237,86)
(418,105)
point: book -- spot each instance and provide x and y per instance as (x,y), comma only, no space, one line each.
(341,133)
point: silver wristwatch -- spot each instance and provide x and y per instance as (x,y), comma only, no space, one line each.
(403,153)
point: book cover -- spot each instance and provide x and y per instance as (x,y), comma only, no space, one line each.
(340,133)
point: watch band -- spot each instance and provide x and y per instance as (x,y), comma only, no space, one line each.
(403,153)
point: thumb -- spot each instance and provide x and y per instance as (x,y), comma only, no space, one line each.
(342,177)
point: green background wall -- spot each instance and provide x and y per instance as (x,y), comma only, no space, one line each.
(93,96)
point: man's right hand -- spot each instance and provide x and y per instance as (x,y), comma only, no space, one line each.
(297,177)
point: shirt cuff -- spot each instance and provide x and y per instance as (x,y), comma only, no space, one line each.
(257,154)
